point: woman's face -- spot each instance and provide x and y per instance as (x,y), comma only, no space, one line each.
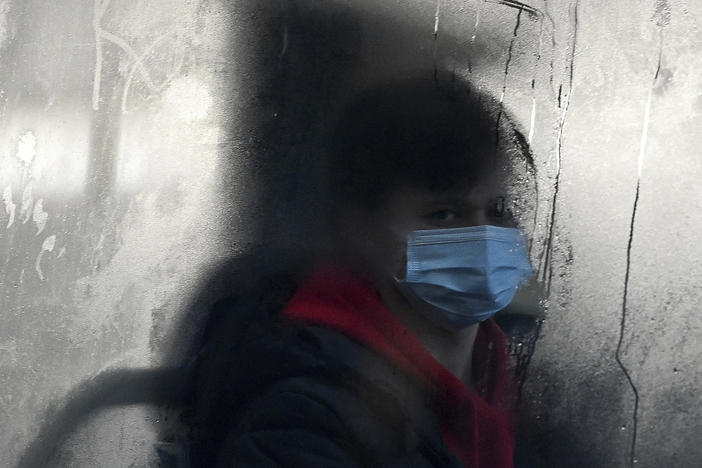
(379,237)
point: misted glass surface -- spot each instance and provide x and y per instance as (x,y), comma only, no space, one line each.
(158,156)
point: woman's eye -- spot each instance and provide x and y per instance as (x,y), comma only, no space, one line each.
(498,209)
(442,216)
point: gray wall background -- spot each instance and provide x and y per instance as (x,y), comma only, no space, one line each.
(146,144)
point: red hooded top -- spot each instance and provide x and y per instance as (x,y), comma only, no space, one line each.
(475,423)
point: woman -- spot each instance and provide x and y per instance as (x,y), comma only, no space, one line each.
(386,353)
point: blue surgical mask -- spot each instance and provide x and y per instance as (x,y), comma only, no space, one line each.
(466,274)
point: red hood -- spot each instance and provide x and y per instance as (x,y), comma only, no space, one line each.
(474,424)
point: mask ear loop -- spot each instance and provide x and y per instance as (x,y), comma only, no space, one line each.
(406,237)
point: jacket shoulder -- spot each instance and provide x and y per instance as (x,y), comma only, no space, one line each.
(333,402)
(295,423)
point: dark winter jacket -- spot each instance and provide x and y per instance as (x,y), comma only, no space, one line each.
(334,380)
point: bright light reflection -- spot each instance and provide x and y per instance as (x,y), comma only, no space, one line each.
(48,148)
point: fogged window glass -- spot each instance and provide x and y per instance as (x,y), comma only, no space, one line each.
(411,214)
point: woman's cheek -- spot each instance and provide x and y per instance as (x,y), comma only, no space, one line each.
(399,260)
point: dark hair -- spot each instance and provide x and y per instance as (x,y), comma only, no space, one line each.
(418,132)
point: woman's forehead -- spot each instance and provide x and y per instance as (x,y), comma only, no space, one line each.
(467,193)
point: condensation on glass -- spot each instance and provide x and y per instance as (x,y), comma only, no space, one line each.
(146,144)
